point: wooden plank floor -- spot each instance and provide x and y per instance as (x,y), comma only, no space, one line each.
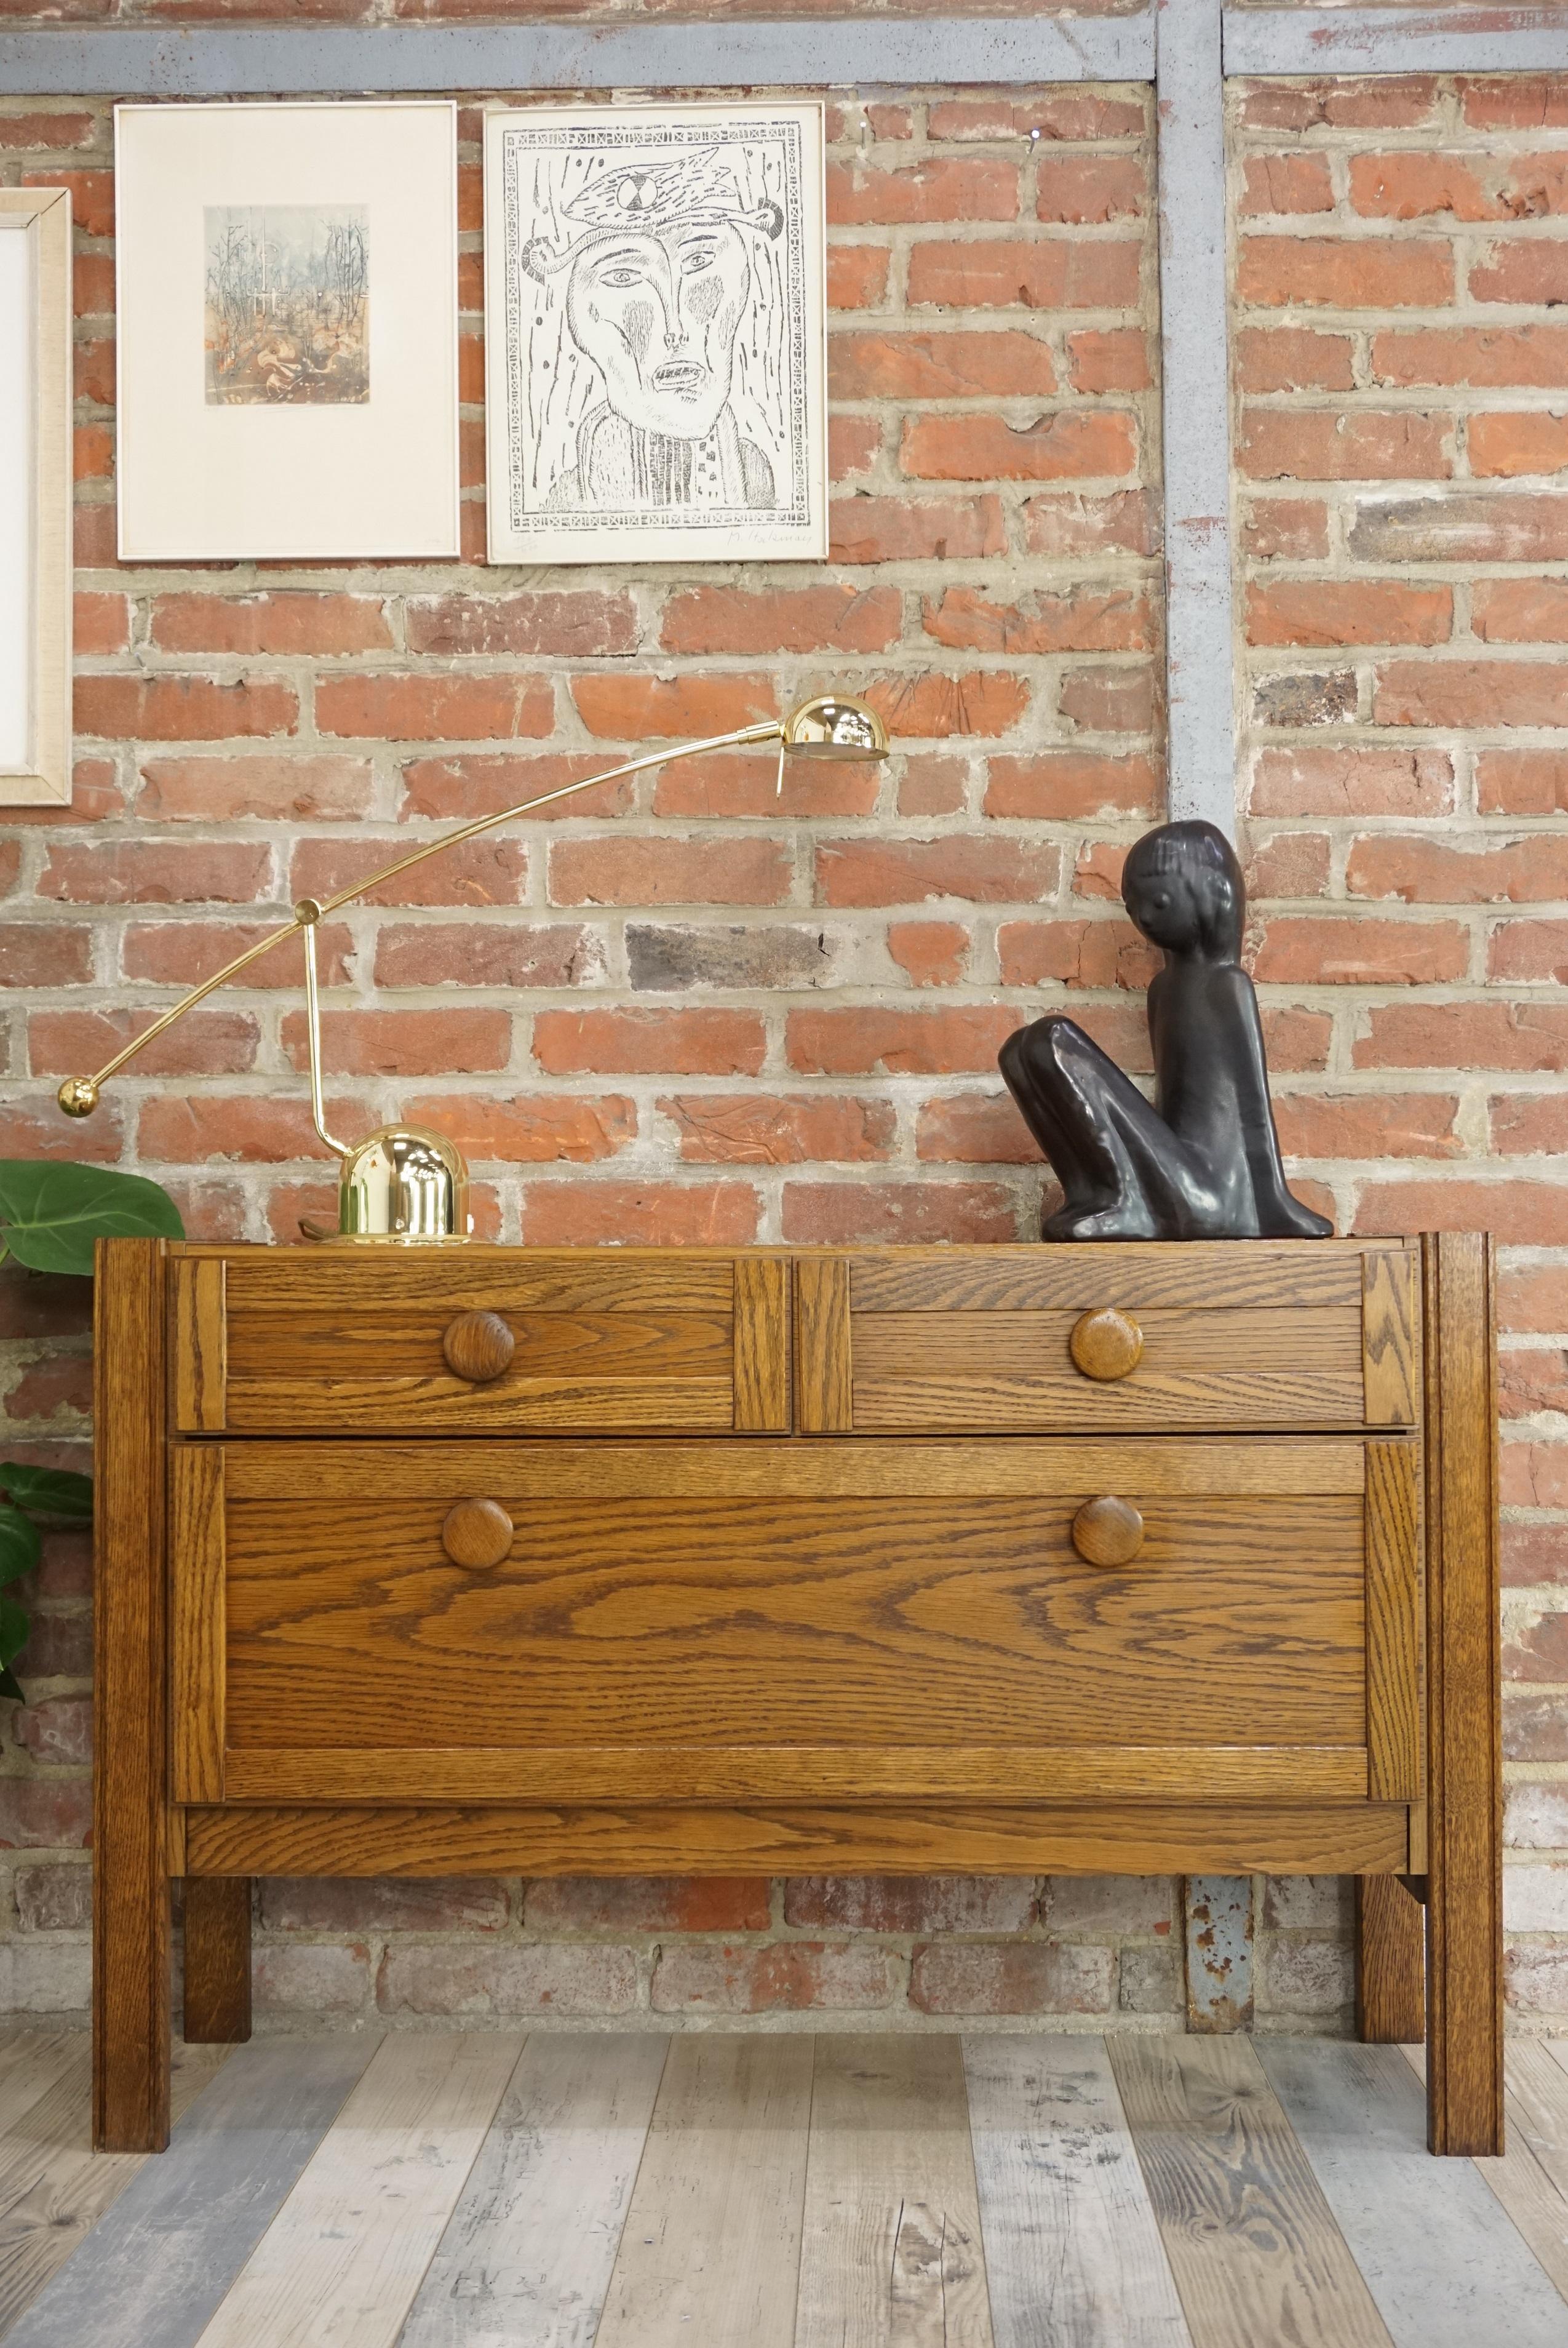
(474,2189)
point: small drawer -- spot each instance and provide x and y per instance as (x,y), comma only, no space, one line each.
(1240,1337)
(638,1622)
(480,1341)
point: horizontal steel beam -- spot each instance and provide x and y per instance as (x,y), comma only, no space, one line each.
(1265,41)
(809,53)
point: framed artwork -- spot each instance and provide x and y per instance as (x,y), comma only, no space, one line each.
(287,330)
(35,496)
(654,333)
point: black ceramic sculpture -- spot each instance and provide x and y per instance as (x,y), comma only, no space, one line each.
(1203,1162)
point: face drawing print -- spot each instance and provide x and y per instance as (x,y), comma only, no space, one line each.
(288,305)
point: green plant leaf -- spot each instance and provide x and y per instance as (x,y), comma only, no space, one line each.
(58,1492)
(10,1684)
(53,1213)
(13,1628)
(19,1543)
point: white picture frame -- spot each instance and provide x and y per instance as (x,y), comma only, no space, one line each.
(655,333)
(36,496)
(287,331)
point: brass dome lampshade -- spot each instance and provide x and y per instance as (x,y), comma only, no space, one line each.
(404,1185)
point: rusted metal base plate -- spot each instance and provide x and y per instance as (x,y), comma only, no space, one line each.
(1217,1911)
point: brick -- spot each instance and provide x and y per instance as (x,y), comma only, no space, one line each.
(1358,444)
(1359,951)
(46,1978)
(57,1389)
(1391,102)
(1519,1037)
(1289,183)
(974,1129)
(1367,1124)
(1081,620)
(672,957)
(897,1214)
(568,625)
(1534,1554)
(1519,269)
(491,783)
(492,870)
(897,1042)
(1529,1125)
(92,452)
(1290,864)
(206,1043)
(184,952)
(1526,1214)
(789,1977)
(1535,1725)
(1487,357)
(318,625)
(576,1979)
(1069,445)
(856,276)
(157,872)
(1079,954)
(1535,1818)
(1535,186)
(910,1904)
(472,1903)
(1347,612)
(1363,778)
(1071,785)
(1306,1977)
(530,1128)
(1532,1380)
(1527,441)
(650,1903)
(765,1129)
(247,1128)
(865,529)
(849,124)
(1113,358)
(640,1214)
(214,790)
(1429,871)
(433,708)
(1529,953)
(1027,1977)
(951,188)
(929,705)
(1070,522)
(475,953)
(1359,272)
(1109,700)
(1079,190)
(827,618)
(664,870)
(404,1043)
(1533,1297)
(1294,358)
(891,362)
(183,708)
(911,871)
(1414,185)
(647,709)
(1460,693)
(1073,114)
(32,955)
(1477,526)
(1024,272)
(1275,528)
(22,131)
(697,1043)
(56,1898)
(744,783)
(313,1977)
(1107,1903)
(930,953)
(1520,610)
(101,623)
(43,1304)
(40,1131)
(44,1813)
(1514,102)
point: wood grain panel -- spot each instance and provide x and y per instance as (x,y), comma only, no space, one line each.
(954,1839)
(196,1602)
(1263,1276)
(1390,1344)
(1390,1962)
(130,1773)
(761,1346)
(479,1279)
(200,1345)
(1464,1896)
(822,1344)
(217,1960)
(514,1404)
(1393,1625)
(631,1773)
(778,1620)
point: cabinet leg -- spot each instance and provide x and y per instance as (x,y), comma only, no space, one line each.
(1464,1872)
(217,1960)
(1390,1962)
(130,1775)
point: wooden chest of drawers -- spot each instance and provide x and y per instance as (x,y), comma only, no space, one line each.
(1019,1559)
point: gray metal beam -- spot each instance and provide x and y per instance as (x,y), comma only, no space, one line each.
(1196,346)
(1263,41)
(216,62)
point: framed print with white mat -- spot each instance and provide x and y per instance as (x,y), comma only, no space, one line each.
(36,489)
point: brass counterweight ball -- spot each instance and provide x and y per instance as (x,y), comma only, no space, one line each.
(78,1096)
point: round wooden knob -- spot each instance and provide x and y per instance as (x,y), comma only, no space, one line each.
(479,1346)
(1107,1531)
(1106,1344)
(477,1534)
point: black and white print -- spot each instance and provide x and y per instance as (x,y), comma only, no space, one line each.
(655,318)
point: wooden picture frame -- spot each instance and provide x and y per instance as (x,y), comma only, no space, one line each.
(36,496)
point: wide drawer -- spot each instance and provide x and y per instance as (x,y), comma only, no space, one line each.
(1225,1336)
(479,1341)
(708,1622)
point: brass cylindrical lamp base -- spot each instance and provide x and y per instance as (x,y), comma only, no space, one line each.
(403,1186)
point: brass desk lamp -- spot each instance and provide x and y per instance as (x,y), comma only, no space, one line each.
(403,1183)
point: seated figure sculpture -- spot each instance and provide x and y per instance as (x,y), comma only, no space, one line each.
(1203,1162)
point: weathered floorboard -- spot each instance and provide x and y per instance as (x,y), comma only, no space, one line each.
(1442,2261)
(711,2248)
(890,2244)
(1255,2253)
(526,2255)
(1531,2179)
(345,2254)
(1072,2251)
(152,2270)
(31,2063)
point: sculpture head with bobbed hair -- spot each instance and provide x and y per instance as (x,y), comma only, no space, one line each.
(1183,889)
